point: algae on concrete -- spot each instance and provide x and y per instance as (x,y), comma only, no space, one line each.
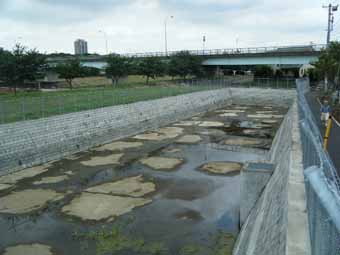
(132,186)
(96,207)
(114,241)
(28,249)
(105,160)
(162,163)
(26,201)
(222,245)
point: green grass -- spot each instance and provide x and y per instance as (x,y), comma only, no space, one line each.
(34,105)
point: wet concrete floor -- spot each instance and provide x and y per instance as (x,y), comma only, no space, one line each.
(183,210)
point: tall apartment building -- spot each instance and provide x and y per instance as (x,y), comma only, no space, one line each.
(80,47)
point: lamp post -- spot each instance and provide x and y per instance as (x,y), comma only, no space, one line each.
(204,40)
(165,33)
(105,36)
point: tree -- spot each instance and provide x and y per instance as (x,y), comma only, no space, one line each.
(263,71)
(151,68)
(20,65)
(328,64)
(88,71)
(69,70)
(184,64)
(117,68)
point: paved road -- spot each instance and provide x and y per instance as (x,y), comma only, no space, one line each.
(334,142)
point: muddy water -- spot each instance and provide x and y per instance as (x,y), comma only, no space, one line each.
(188,209)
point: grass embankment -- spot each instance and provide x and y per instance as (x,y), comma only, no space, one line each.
(38,104)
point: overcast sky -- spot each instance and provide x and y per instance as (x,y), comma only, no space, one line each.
(138,25)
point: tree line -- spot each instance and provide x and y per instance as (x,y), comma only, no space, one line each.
(25,65)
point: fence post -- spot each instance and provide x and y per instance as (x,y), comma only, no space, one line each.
(23,108)
(2,109)
(59,104)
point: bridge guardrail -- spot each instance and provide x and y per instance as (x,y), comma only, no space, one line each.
(234,51)
(214,52)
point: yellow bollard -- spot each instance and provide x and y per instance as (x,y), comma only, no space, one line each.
(328,132)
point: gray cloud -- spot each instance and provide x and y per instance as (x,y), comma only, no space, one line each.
(138,25)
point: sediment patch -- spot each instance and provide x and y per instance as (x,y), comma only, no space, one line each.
(120,145)
(132,186)
(242,141)
(24,174)
(100,161)
(211,124)
(27,200)
(161,134)
(5,186)
(189,139)
(222,167)
(229,114)
(96,207)
(161,163)
(28,249)
(51,180)
(187,123)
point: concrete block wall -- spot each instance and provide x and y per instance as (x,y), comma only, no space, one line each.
(28,143)
(279,214)
(254,178)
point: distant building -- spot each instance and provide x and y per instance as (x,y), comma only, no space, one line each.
(80,47)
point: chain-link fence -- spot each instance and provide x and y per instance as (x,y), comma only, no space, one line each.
(322,183)
(40,106)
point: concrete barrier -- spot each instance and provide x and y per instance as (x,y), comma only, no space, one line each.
(277,224)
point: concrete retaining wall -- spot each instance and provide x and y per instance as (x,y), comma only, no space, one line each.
(28,143)
(277,224)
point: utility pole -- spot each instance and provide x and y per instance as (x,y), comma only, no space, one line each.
(331,10)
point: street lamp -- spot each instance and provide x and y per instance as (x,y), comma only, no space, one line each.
(204,40)
(105,36)
(165,33)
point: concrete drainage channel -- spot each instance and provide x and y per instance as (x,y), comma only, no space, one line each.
(173,190)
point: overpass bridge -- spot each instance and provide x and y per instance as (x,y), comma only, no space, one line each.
(280,56)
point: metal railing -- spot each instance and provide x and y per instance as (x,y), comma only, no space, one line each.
(322,183)
(235,51)
(315,48)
